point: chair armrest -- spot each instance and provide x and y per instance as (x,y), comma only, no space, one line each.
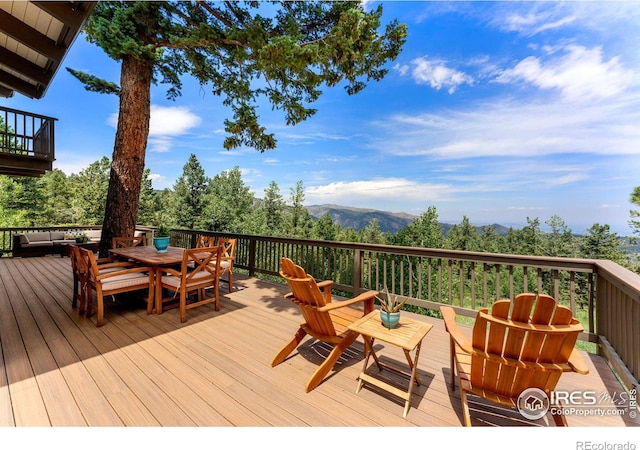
(456,334)
(577,363)
(168,270)
(136,269)
(112,264)
(326,286)
(366,297)
(106,260)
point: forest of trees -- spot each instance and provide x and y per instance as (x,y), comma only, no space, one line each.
(225,203)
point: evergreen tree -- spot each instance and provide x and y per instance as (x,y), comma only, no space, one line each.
(273,208)
(11,213)
(372,234)
(425,231)
(22,200)
(228,203)
(559,241)
(89,189)
(57,206)
(600,243)
(491,241)
(464,236)
(531,240)
(190,193)
(634,223)
(148,201)
(324,228)
(299,219)
(285,52)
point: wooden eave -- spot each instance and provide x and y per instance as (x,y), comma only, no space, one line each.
(35,36)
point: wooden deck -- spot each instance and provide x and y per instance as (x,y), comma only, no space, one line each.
(58,369)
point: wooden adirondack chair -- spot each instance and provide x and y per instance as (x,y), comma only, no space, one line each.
(324,320)
(511,351)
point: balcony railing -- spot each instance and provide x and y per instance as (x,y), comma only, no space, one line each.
(601,293)
(27,143)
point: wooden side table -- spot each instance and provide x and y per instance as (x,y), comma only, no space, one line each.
(408,336)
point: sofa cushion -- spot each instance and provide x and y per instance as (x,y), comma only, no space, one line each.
(57,235)
(37,244)
(38,236)
(58,242)
(93,235)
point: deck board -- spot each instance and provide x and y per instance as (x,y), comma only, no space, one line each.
(58,369)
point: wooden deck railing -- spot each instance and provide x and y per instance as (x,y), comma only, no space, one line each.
(602,294)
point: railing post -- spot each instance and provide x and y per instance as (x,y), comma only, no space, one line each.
(357,271)
(252,257)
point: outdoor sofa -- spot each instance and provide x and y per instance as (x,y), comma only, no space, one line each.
(42,243)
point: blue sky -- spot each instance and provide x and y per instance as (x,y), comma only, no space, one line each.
(498,111)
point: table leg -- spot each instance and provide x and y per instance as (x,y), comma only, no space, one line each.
(368,345)
(158,278)
(414,376)
(407,354)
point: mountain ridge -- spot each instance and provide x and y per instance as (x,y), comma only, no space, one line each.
(389,222)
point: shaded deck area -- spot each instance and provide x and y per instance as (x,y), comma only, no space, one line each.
(58,369)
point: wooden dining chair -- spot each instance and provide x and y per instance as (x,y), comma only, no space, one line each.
(228,258)
(114,278)
(80,269)
(200,270)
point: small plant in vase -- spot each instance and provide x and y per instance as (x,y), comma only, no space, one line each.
(161,238)
(390,307)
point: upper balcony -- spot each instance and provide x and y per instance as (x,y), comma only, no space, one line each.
(27,143)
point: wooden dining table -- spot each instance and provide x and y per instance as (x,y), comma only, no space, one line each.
(148,255)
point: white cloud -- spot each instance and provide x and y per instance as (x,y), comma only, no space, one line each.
(159,181)
(515,128)
(436,74)
(401,68)
(371,193)
(533,23)
(580,74)
(166,123)
(532,18)
(171,120)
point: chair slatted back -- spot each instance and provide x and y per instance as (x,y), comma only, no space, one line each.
(128,241)
(206,241)
(228,247)
(201,266)
(512,339)
(307,296)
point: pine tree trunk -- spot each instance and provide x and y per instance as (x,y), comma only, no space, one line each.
(127,163)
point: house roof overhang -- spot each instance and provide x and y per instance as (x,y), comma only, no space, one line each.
(35,36)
